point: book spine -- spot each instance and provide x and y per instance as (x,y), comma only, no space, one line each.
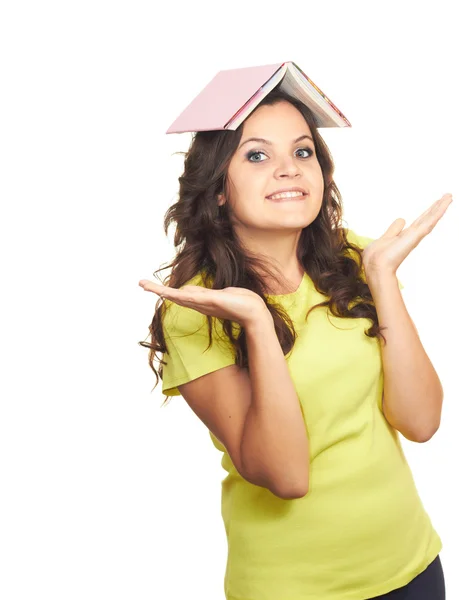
(257,97)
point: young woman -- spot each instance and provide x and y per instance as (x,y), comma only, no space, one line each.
(271,330)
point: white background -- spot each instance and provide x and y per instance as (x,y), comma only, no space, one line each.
(104,494)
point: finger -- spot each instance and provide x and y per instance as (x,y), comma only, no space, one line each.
(183,297)
(395,228)
(446,200)
(425,217)
(151,286)
(158,288)
(437,206)
(164,291)
(441,207)
(426,212)
(190,296)
(427,222)
(205,307)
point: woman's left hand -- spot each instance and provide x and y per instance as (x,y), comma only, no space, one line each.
(386,253)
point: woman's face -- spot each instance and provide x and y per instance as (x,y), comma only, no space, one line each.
(258,169)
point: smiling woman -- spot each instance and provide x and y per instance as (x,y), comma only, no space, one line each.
(270,331)
(224,219)
(263,169)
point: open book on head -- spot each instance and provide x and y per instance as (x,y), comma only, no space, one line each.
(229,98)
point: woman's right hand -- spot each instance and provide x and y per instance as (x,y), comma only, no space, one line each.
(233,303)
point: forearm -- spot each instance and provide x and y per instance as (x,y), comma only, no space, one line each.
(413,394)
(274,446)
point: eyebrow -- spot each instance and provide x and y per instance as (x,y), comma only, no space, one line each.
(263,141)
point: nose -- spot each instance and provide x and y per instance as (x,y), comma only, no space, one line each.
(288,167)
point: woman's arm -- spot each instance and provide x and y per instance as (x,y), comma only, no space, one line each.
(413,394)
(274,446)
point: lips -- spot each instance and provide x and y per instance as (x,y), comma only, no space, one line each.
(291,189)
(287,199)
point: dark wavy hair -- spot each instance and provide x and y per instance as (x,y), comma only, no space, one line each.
(206,243)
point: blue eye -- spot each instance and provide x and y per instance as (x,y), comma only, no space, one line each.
(254,152)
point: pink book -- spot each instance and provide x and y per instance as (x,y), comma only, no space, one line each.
(229,98)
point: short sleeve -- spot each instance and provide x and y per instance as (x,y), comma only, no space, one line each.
(187,337)
(363,242)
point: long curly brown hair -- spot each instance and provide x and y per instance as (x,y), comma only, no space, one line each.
(206,244)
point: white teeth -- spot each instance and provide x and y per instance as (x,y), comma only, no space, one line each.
(286,195)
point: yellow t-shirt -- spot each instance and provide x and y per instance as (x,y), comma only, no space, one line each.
(361,530)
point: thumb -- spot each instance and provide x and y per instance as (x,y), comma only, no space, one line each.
(394,229)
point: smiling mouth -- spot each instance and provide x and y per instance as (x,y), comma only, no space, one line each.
(288,198)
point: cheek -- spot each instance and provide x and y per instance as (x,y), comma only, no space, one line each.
(317,188)
(250,208)
(251,190)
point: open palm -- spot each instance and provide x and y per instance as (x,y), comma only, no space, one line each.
(237,304)
(390,250)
